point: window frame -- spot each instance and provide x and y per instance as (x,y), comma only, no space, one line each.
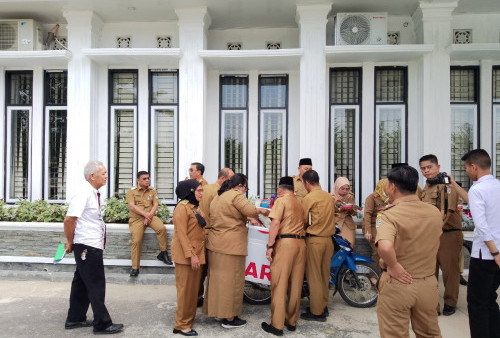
(495,108)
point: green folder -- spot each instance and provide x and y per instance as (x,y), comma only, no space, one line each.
(59,253)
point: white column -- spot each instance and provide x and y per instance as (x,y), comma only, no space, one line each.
(143,112)
(313,88)
(368,131)
(193,25)
(486,107)
(83,31)
(435,26)
(37,160)
(2,131)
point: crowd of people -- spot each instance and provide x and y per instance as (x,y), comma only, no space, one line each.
(413,234)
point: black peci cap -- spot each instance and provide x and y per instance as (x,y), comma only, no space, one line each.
(305,161)
(395,165)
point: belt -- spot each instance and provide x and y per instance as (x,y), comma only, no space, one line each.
(290,236)
(433,275)
(310,235)
(450,230)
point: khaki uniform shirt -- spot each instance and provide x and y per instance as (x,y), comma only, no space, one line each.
(202,181)
(319,205)
(298,188)
(373,204)
(189,236)
(436,194)
(415,228)
(344,217)
(228,217)
(288,210)
(209,192)
(144,199)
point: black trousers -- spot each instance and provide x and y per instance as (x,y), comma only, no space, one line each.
(88,286)
(484,314)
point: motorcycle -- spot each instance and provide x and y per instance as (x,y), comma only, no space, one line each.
(354,276)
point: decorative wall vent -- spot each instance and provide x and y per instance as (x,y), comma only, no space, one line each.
(233,45)
(123,42)
(462,36)
(163,41)
(59,43)
(273,45)
(393,38)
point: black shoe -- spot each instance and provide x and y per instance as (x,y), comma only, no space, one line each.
(271,329)
(134,272)
(163,256)
(309,316)
(76,325)
(200,302)
(236,322)
(113,328)
(290,327)
(189,333)
(462,280)
(448,310)
(325,313)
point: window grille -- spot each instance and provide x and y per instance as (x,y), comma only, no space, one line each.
(20,88)
(496,84)
(390,85)
(164,159)
(462,85)
(344,132)
(124,88)
(123,171)
(273,91)
(273,158)
(463,121)
(56,171)
(390,137)
(345,86)
(19,153)
(56,88)
(234,90)
(164,88)
(496,119)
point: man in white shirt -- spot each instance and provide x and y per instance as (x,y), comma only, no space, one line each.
(85,233)
(484,268)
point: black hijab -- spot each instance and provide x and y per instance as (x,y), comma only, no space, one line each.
(185,191)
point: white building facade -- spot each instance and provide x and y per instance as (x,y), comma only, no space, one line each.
(156,85)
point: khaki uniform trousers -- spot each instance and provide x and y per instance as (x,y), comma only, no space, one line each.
(287,277)
(448,258)
(319,255)
(399,303)
(137,229)
(349,234)
(187,282)
(375,256)
(204,273)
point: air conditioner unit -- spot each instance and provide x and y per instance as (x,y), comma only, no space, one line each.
(20,34)
(361,29)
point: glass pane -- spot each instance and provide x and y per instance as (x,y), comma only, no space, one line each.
(234,142)
(57,155)
(496,109)
(234,91)
(496,85)
(390,138)
(56,86)
(390,85)
(124,88)
(273,92)
(272,151)
(462,141)
(164,89)
(19,154)
(345,86)
(164,143)
(123,151)
(20,88)
(344,131)
(462,87)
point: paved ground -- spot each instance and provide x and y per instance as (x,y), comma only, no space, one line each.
(38,309)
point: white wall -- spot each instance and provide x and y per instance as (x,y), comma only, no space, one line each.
(253,38)
(143,34)
(485,27)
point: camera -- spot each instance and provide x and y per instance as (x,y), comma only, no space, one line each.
(441,178)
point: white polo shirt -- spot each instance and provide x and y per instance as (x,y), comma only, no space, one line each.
(90,227)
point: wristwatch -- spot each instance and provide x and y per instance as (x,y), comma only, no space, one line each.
(269,246)
(495,253)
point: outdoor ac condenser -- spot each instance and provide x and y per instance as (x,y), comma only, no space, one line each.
(361,29)
(20,35)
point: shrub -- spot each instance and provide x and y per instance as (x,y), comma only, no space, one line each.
(115,210)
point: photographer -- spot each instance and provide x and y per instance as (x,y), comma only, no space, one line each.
(439,192)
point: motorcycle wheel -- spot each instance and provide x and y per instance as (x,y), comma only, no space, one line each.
(257,294)
(364,296)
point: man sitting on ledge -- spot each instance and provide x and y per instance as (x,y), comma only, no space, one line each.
(143,203)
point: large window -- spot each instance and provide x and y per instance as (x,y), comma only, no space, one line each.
(123,98)
(390,128)
(345,96)
(234,112)
(55,135)
(464,108)
(273,107)
(164,100)
(18,98)
(496,119)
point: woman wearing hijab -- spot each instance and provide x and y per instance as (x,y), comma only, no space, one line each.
(188,253)
(344,209)
(375,202)
(226,250)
